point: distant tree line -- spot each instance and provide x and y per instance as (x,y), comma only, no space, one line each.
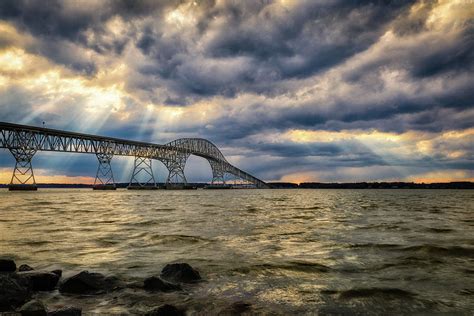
(308,185)
(373,185)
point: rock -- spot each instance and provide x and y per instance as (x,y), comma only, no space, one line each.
(237,308)
(66,311)
(25,267)
(165,310)
(180,272)
(89,283)
(33,308)
(58,272)
(156,284)
(7,265)
(40,281)
(13,292)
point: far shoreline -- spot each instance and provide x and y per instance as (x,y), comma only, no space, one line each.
(458,185)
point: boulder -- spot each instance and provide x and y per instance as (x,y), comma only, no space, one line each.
(39,280)
(33,308)
(58,272)
(25,267)
(87,282)
(165,310)
(66,311)
(13,292)
(156,284)
(180,272)
(7,265)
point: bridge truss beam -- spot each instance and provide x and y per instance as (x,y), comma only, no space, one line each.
(26,140)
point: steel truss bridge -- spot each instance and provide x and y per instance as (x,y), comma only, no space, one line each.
(24,141)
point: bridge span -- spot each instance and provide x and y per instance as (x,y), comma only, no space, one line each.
(24,141)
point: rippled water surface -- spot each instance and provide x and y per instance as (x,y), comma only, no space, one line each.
(282,251)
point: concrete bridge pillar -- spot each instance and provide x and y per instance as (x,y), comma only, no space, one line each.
(142,176)
(23,177)
(104,179)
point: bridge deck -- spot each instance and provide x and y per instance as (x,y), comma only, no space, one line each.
(61,133)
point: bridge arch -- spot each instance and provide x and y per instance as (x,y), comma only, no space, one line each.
(219,164)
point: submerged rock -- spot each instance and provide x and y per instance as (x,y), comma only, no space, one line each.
(58,272)
(7,265)
(13,292)
(180,272)
(165,310)
(33,308)
(25,267)
(66,311)
(89,283)
(156,284)
(40,281)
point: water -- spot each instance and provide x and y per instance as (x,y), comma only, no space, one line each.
(282,251)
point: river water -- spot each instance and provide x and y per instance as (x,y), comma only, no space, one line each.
(281,251)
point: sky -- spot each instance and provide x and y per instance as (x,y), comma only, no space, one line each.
(319,90)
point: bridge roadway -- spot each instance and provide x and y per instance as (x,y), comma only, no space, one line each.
(24,141)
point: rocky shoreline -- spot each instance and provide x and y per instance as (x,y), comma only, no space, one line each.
(18,287)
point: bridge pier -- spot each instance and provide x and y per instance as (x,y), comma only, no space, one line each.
(23,178)
(104,179)
(175,165)
(218,173)
(142,168)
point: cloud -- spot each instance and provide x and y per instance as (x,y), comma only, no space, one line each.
(248,74)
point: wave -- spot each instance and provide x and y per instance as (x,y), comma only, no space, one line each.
(467,292)
(41,203)
(251,209)
(439,230)
(374,245)
(384,226)
(455,251)
(145,222)
(34,243)
(178,239)
(387,292)
(298,266)
(307,208)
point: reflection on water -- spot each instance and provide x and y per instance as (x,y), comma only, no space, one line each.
(283,251)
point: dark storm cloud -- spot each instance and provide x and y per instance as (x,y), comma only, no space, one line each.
(67,19)
(323,65)
(59,24)
(350,153)
(450,59)
(321,35)
(274,44)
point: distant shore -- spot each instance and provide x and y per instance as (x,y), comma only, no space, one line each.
(305,185)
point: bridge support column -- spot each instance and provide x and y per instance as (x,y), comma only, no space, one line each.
(142,170)
(104,179)
(23,178)
(175,166)
(218,173)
